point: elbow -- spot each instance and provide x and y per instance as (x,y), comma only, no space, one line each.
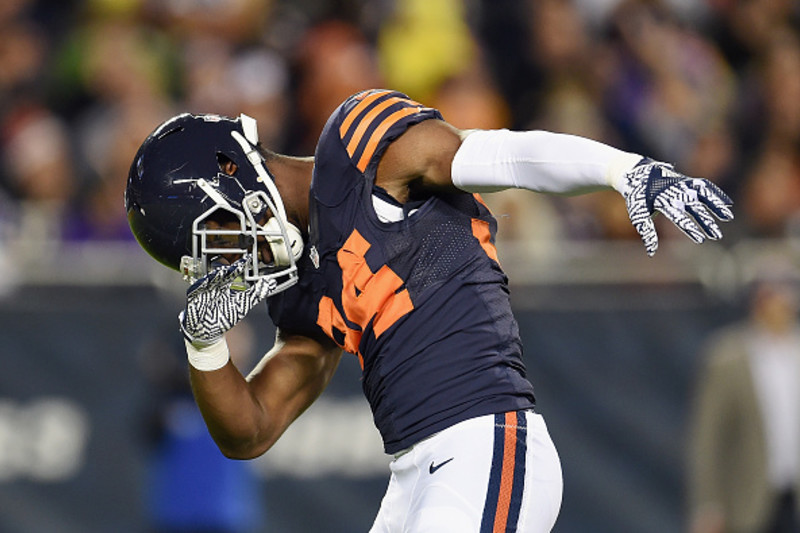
(244,449)
(244,439)
(238,455)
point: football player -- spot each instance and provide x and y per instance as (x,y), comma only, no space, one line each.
(381,246)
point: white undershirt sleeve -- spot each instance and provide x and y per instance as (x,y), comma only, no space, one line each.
(557,163)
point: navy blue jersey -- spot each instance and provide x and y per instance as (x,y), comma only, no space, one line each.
(422,302)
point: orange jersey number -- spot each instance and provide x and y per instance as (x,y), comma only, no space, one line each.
(366,296)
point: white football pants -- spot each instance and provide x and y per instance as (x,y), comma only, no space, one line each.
(491,474)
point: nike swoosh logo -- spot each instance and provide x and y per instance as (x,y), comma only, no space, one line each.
(433,468)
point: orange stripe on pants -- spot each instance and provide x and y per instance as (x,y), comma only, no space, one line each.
(507,476)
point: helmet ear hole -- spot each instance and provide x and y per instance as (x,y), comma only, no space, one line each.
(226,164)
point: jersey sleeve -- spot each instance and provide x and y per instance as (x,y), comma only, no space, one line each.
(370,120)
(357,134)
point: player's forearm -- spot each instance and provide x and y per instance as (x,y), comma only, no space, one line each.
(239,424)
(493,160)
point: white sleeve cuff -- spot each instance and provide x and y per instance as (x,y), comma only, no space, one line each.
(208,358)
(493,160)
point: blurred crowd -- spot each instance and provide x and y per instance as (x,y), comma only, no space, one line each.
(712,86)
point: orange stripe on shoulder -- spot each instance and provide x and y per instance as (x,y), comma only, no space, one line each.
(380,131)
(358,109)
(367,121)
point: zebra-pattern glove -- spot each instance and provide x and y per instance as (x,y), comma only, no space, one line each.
(652,187)
(214,304)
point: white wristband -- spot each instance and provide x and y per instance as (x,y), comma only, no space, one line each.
(208,358)
(493,160)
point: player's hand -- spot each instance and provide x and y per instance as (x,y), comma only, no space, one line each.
(218,301)
(652,187)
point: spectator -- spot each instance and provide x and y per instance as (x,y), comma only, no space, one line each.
(771,193)
(38,160)
(745,438)
(333,61)
(423,44)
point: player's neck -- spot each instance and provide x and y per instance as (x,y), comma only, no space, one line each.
(293,179)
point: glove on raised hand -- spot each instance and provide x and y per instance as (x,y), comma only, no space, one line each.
(652,187)
(214,305)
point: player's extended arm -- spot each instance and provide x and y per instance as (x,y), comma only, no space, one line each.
(493,160)
(568,164)
(245,416)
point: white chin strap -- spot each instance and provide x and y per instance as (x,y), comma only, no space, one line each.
(280,255)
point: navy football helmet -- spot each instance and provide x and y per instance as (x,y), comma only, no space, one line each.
(178,184)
